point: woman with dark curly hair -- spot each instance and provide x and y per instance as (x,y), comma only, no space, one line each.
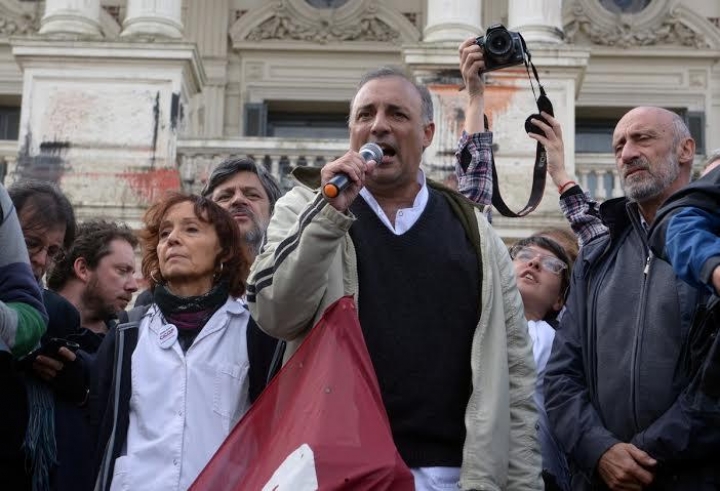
(178,376)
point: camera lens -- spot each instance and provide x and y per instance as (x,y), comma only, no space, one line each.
(498,44)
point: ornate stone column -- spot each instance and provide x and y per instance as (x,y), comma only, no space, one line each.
(450,20)
(153,18)
(71,17)
(537,20)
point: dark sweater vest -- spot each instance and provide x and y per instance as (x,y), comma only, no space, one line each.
(418,299)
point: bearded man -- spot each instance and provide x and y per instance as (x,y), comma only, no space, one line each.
(619,392)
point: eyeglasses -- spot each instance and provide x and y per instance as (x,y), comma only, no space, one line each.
(547,262)
(36,246)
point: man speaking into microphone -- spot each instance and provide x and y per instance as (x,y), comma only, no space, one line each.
(438,306)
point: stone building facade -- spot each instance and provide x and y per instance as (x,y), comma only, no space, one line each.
(119,100)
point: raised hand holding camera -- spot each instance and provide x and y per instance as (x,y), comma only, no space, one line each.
(502,49)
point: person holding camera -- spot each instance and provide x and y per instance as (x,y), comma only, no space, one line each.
(23,321)
(438,304)
(473,166)
(542,266)
(47,221)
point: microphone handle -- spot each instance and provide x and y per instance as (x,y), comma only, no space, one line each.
(336,185)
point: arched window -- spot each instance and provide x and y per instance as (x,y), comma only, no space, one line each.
(326,4)
(625,6)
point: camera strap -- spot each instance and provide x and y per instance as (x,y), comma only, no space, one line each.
(539,169)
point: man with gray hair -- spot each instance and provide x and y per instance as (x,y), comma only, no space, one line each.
(438,305)
(248,191)
(618,389)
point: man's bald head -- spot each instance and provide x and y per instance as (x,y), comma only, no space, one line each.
(654,153)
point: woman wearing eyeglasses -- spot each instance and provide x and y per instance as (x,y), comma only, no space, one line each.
(542,269)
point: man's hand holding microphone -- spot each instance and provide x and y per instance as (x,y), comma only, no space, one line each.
(342,179)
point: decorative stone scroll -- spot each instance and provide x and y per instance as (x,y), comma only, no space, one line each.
(283,27)
(15,23)
(671,30)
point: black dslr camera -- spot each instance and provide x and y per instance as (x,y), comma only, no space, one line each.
(502,48)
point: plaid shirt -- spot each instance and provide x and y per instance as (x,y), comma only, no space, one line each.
(473,161)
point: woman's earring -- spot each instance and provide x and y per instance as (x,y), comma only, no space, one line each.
(218,274)
(152,277)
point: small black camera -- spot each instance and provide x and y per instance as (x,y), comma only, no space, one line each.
(502,48)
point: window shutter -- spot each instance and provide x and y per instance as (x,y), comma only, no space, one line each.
(255,119)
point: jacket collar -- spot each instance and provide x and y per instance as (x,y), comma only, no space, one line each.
(615,215)
(307,176)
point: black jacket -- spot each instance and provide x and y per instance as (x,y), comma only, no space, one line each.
(620,369)
(703,194)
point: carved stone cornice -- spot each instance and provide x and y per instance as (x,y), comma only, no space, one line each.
(15,20)
(284,27)
(364,21)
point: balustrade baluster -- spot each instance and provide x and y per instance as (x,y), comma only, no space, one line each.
(617,187)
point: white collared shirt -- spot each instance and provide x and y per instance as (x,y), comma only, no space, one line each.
(405,217)
(183,405)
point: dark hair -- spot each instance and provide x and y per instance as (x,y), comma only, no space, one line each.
(233,256)
(557,251)
(565,237)
(228,168)
(48,207)
(391,71)
(92,244)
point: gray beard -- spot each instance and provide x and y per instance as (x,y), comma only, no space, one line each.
(654,187)
(255,239)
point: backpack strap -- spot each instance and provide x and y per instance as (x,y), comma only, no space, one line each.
(125,340)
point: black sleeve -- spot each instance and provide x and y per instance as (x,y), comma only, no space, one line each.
(99,400)
(261,351)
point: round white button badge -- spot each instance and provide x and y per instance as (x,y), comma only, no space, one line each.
(167,336)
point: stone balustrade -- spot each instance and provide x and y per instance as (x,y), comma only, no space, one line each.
(595,172)
(198,157)
(8,157)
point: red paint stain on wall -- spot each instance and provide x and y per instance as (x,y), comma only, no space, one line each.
(497,98)
(150,185)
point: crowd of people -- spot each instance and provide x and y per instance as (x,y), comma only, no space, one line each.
(584,358)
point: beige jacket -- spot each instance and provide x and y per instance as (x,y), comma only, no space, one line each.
(309,262)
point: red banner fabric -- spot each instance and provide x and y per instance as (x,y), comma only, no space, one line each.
(320,424)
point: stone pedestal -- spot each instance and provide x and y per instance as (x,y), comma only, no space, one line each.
(153,18)
(450,20)
(71,18)
(508,101)
(102,120)
(537,20)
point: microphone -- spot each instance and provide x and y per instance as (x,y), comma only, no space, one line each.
(368,152)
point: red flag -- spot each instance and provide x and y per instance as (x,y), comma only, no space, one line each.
(321,424)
